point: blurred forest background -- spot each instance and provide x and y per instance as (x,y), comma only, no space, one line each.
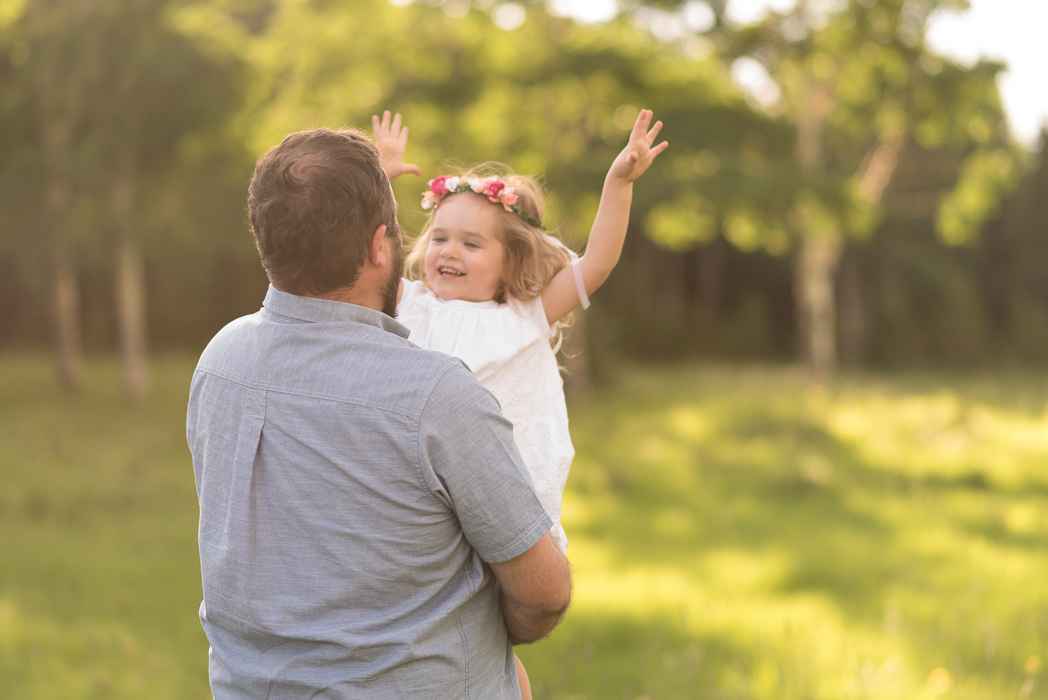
(864,204)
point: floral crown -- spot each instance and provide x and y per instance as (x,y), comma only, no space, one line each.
(491,187)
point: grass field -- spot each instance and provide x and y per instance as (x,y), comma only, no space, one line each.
(735,533)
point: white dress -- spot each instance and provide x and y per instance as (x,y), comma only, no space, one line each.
(507,346)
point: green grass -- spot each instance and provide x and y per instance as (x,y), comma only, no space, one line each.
(99,579)
(735,533)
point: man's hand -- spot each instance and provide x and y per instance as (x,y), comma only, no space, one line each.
(536,591)
(639,153)
(392,142)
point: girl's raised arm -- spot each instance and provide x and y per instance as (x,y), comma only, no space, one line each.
(560,297)
(392,142)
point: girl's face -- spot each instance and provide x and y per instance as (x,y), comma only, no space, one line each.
(464,257)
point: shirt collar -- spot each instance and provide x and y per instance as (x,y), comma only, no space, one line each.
(315,310)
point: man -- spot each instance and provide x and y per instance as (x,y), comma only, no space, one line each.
(367,528)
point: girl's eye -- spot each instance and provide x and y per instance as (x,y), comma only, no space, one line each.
(438,239)
(470,244)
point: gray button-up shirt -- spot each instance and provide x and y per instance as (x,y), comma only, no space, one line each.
(351,487)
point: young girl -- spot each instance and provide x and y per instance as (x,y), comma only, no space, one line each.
(489,286)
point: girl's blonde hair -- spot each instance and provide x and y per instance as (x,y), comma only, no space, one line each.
(531,257)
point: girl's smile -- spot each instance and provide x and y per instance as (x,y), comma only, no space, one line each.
(464,257)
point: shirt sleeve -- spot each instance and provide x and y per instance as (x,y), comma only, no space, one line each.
(467,454)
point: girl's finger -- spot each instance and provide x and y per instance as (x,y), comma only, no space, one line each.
(654,131)
(659,149)
(396,123)
(385,120)
(640,127)
(374,123)
(404,137)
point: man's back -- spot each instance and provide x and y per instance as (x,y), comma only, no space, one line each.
(351,486)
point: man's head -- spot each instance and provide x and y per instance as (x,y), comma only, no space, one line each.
(315,203)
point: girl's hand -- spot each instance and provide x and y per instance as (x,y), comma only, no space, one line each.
(392,141)
(638,154)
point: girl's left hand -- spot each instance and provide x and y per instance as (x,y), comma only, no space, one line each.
(392,142)
(638,154)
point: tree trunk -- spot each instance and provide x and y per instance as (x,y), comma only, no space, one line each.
(67,323)
(815,267)
(876,173)
(68,351)
(815,263)
(60,101)
(130,286)
(131,318)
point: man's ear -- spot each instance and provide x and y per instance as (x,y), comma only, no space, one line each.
(376,254)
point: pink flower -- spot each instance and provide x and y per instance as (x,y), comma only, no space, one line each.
(493,188)
(508,199)
(437,185)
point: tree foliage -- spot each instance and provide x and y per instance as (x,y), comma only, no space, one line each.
(178,97)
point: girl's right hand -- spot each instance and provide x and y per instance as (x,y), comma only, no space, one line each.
(392,142)
(639,153)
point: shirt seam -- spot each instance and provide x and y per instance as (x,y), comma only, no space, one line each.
(465,657)
(265,386)
(469,579)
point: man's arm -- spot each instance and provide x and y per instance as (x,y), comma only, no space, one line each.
(468,457)
(536,591)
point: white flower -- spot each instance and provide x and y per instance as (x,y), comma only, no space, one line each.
(451,183)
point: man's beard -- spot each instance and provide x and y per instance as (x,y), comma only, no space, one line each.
(392,288)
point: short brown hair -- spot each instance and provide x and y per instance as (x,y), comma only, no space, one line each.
(314,203)
(531,256)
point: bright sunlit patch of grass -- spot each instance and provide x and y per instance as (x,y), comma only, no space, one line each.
(879,538)
(943,433)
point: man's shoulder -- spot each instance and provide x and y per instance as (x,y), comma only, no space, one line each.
(230,332)
(347,361)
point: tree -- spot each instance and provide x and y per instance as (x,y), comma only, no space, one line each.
(116,92)
(551,97)
(55,75)
(860,90)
